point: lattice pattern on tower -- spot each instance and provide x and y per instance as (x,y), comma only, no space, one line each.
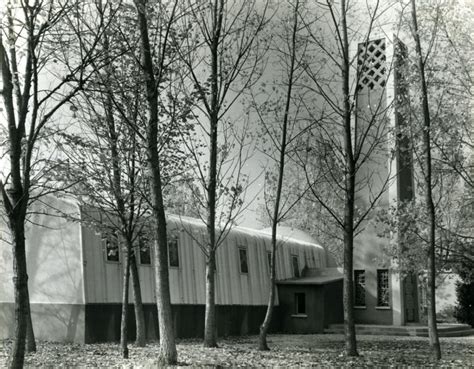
(371,67)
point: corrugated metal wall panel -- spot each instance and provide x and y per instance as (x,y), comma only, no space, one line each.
(104,279)
(188,282)
(199,275)
(113,282)
(147,283)
(222,287)
(224,267)
(255,292)
(263,271)
(175,285)
(186,262)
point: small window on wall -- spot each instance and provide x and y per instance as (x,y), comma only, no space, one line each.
(300,303)
(296,266)
(173,252)
(110,243)
(359,287)
(383,288)
(269,259)
(244,268)
(144,251)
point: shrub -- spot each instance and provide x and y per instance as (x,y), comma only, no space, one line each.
(464,310)
(446,315)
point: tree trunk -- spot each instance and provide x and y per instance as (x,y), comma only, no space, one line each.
(15,200)
(210,327)
(348,293)
(168,353)
(348,282)
(126,217)
(431,297)
(348,296)
(125,289)
(262,338)
(30,333)
(138,304)
(20,282)
(430,209)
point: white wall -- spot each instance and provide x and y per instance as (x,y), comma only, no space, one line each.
(53,252)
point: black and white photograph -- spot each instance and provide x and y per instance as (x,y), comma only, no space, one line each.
(236,183)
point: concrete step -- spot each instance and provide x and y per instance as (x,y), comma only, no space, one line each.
(460,333)
(444,330)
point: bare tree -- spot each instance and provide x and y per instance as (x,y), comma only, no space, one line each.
(282,127)
(106,158)
(348,141)
(104,164)
(223,59)
(38,35)
(446,38)
(156,64)
(439,99)
(437,226)
(430,207)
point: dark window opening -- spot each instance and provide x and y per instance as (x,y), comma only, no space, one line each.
(144,251)
(111,244)
(383,288)
(300,303)
(296,267)
(173,252)
(359,287)
(244,268)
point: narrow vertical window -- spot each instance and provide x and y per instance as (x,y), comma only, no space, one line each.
(300,303)
(244,268)
(296,267)
(110,243)
(173,252)
(144,250)
(269,259)
(383,288)
(359,287)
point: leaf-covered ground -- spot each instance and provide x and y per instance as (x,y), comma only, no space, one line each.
(287,351)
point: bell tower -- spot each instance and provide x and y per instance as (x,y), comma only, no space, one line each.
(386,176)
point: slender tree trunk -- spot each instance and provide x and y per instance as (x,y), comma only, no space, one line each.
(138,304)
(168,351)
(30,334)
(20,282)
(263,345)
(348,295)
(430,209)
(15,200)
(431,297)
(125,289)
(262,338)
(210,327)
(126,220)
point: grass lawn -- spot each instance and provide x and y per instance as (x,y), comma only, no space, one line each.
(287,351)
